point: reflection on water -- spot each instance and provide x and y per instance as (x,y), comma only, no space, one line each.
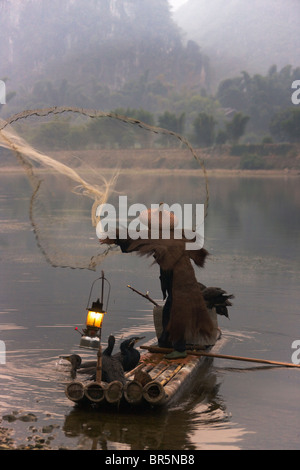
(36,379)
(148,429)
(252,233)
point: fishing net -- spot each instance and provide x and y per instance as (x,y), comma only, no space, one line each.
(76,159)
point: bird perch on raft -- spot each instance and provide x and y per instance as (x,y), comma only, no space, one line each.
(157,381)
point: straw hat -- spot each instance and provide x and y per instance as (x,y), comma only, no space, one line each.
(158,218)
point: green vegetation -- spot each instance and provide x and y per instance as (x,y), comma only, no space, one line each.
(248,109)
(130,57)
(204,130)
(259,97)
(285,125)
(252,162)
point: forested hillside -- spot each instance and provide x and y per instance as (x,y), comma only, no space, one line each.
(131,57)
(103,53)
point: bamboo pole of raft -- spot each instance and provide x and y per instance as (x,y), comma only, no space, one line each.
(164,390)
(169,377)
(133,392)
(95,391)
(175,385)
(75,391)
(158,369)
(114,392)
(158,372)
(154,391)
(156,349)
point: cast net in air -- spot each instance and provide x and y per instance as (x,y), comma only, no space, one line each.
(76,159)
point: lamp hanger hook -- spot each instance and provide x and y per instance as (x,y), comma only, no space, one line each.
(103,279)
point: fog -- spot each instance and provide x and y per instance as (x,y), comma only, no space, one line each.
(98,78)
(175,4)
(113,43)
(242,34)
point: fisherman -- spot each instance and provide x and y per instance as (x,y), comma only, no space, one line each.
(184,314)
(166,280)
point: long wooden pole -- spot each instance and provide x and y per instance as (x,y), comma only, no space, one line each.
(99,360)
(156,349)
(146,296)
(99,364)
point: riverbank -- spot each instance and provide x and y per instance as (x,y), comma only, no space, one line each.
(36,437)
(244,160)
(217,172)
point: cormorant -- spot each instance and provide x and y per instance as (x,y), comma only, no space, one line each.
(78,366)
(111,367)
(217,298)
(128,356)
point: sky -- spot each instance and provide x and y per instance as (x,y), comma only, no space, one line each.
(177,3)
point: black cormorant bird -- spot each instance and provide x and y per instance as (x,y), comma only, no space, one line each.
(217,298)
(111,367)
(78,366)
(128,356)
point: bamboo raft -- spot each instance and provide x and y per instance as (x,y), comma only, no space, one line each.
(166,378)
(156,381)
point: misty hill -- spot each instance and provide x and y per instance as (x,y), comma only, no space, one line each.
(80,52)
(238,35)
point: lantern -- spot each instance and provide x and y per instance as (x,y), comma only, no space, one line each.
(95,314)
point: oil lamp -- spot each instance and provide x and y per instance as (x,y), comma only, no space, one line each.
(91,336)
(95,316)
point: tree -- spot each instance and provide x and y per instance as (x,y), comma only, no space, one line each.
(285,125)
(236,127)
(171,122)
(258,96)
(204,129)
(53,134)
(133,135)
(221,137)
(231,93)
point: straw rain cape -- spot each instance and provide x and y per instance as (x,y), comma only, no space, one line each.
(189,316)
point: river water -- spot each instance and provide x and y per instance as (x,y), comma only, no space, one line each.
(252,233)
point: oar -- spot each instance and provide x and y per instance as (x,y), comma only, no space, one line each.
(156,349)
